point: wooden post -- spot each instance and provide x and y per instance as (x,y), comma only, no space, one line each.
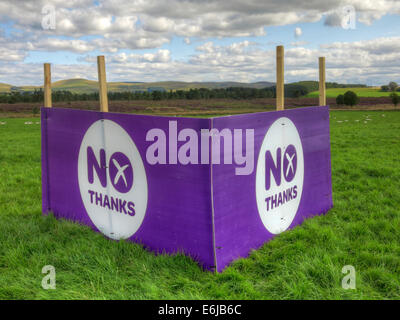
(101,67)
(322,89)
(47,85)
(280,88)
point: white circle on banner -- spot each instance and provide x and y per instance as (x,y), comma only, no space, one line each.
(279,176)
(112,180)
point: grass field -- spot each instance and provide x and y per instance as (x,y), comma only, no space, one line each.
(361,92)
(363,230)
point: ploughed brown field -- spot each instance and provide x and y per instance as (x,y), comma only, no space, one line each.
(204,107)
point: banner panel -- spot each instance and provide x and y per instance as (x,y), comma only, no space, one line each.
(290,181)
(96,172)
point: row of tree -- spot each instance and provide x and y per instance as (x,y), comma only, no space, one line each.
(392,86)
(350,98)
(292,90)
(201,93)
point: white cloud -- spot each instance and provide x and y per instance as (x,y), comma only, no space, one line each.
(207,47)
(299,43)
(160,56)
(12,55)
(158,24)
(55,44)
(298,32)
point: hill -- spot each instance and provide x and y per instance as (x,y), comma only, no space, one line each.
(90,86)
(4,87)
(294,89)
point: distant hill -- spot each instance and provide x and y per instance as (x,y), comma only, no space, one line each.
(294,89)
(89,86)
(4,87)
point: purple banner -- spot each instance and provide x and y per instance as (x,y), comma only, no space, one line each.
(290,182)
(211,188)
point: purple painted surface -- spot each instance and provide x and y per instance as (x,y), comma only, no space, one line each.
(238,227)
(178,215)
(190,206)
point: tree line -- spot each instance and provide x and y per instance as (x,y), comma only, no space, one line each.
(200,93)
(292,90)
(392,86)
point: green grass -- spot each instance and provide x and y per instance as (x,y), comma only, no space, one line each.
(363,230)
(361,92)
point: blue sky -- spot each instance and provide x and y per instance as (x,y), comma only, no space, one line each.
(152,41)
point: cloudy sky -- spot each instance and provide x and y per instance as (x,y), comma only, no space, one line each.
(195,40)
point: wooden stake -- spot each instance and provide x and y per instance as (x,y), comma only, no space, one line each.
(47,85)
(101,67)
(322,88)
(280,88)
